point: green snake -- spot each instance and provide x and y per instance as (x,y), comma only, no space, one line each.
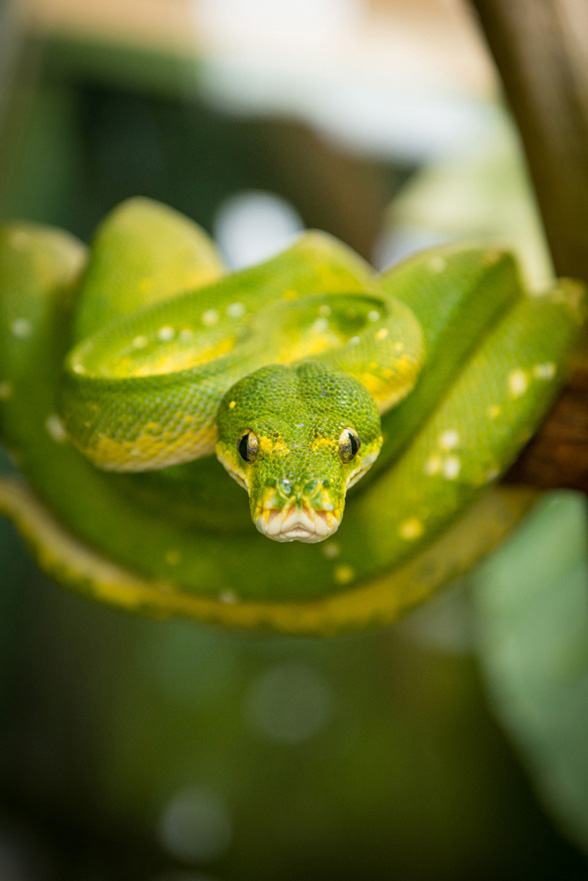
(123,368)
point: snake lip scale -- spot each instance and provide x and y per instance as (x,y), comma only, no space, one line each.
(293,524)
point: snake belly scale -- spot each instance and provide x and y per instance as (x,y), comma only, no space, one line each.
(122,371)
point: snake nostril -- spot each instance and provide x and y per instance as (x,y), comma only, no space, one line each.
(310,487)
(285,487)
(326,484)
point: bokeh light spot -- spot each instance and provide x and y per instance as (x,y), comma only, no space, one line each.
(252,226)
(289,703)
(195,825)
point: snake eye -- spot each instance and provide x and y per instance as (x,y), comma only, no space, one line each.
(349,444)
(248,446)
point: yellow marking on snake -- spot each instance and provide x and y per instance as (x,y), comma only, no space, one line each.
(153,446)
(274,446)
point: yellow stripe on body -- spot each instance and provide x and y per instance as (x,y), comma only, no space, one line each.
(380,602)
(153,447)
(171,359)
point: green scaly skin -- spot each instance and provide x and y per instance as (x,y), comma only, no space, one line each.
(297,482)
(164,383)
(142,393)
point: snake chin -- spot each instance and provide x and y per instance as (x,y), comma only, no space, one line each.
(297,524)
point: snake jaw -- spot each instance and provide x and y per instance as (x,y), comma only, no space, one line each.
(296,523)
(308,520)
(305,512)
(365,465)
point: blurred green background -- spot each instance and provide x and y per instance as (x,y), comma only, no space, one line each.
(453,745)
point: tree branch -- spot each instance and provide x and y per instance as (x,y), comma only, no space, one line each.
(541,51)
(557,456)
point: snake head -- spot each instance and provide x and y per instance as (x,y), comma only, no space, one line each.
(297,437)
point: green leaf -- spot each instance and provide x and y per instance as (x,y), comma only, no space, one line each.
(531,601)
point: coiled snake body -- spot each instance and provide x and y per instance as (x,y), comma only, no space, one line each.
(145,358)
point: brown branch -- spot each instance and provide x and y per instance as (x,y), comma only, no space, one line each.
(557,456)
(541,51)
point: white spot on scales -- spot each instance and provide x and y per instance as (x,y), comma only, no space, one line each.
(236,310)
(411,529)
(449,439)
(518,383)
(451,467)
(21,328)
(448,467)
(55,428)
(210,317)
(165,334)
(544,371)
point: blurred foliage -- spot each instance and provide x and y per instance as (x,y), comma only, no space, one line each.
(359,757)
(532,609)
(486,195)
(80,145)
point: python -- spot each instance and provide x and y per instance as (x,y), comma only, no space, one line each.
(124,368)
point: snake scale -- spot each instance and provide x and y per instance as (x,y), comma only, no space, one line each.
(125,366)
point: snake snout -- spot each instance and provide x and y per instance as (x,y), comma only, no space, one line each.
(302,491)
(297,511)
(297,523)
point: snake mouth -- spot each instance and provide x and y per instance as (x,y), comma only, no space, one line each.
(297,524)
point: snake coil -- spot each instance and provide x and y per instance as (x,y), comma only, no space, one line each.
(123,368)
